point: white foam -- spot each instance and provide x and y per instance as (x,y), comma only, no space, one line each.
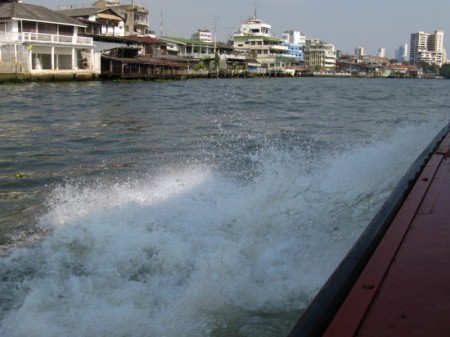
(175,255)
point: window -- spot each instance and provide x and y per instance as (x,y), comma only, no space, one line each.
(27,26)
(46,28)
(66,30)
(42,61)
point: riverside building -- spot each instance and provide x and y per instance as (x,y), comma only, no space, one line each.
(99,21)
(427,47)
(38,43)
(295,41)
(254,38)
(203,35)
(136,16)
(320,56)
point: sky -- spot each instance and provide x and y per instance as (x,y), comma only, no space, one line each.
(347,24)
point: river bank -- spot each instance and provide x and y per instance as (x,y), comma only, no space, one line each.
(61,77)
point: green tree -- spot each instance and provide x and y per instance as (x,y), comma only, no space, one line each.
(424,65)
(427,67)
(445,70)
(435,68)
(199,66)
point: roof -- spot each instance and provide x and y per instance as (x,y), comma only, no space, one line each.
(108,16)
(256,38)
(107,38)
(143,60)
(186,41)
(145,39)
(402,66)
(20,11)
(147,61)
(88,11)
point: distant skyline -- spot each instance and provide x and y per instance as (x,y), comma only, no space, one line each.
(347,24)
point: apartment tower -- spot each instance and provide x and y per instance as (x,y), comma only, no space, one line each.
(401,53)
(427,47)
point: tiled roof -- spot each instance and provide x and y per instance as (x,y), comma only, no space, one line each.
(20,11)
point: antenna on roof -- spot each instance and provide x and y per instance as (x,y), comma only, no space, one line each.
(161,24)
(256,16)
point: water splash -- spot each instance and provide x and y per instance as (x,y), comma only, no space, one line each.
(194,253)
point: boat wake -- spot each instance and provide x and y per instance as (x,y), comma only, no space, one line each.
(193,253)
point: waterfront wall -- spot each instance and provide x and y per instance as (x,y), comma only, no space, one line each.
(14,59)
(15,66)
(48,77)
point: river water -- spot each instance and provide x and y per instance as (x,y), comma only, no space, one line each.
(193,208)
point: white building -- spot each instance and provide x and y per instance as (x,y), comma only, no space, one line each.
(38,42)
(401,54)
(294,37)
(295,41)
(359,52)
(320,55)
(136,16)
(254,37)
(99,21)
(381,52)
(203,35)
(427,47)
(254,26)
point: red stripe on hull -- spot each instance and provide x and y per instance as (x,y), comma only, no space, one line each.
(405,288)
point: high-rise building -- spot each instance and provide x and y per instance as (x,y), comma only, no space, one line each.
(401,54)
(382,52)
(427,47)
(359,52)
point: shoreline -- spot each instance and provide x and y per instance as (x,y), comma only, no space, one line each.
(6,79)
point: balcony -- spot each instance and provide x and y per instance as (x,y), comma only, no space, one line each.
(141,22)
(279,47)
(46,39)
